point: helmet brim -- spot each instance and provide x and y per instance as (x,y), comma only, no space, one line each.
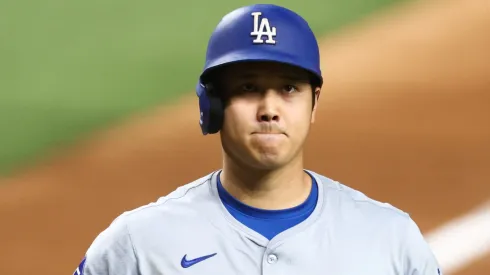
(258,56)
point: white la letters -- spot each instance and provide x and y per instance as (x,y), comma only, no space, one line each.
(262,29)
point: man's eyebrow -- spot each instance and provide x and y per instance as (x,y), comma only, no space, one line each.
(294,77)
(291,77)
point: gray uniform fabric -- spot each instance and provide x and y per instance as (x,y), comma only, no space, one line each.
(348,233)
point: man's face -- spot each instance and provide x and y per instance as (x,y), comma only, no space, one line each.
(269,109)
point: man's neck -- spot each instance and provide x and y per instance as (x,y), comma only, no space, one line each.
(281,188)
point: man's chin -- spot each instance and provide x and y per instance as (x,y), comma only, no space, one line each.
(269,160)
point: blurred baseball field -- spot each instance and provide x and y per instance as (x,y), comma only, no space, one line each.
(98,116)
(69,68)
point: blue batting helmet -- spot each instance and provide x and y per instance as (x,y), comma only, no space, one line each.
(261,32)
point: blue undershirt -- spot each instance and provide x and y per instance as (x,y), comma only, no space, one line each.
(268,223)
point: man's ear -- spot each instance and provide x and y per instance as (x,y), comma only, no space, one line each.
(316,95)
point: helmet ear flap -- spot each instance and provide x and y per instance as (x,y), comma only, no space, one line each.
(211,109)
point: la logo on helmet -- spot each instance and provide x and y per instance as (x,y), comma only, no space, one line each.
(264,28)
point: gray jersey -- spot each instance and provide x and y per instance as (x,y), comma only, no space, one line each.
(190,231)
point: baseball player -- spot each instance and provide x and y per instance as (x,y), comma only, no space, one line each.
(263,212)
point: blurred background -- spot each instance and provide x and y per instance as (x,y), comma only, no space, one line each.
(98,116)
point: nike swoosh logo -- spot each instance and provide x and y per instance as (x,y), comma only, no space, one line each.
(188,263)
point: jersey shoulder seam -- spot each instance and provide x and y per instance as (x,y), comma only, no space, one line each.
(130,237)
(339,187)
(128,213)
(166,199)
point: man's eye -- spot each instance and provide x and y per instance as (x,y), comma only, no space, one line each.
(290,89)
(248,88)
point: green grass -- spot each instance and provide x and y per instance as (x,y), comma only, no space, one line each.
(70,67)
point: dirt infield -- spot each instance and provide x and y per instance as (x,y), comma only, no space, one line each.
(404,117)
